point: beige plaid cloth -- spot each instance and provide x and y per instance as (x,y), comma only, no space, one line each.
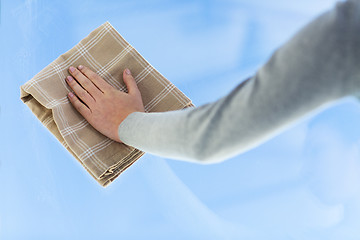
(107,53)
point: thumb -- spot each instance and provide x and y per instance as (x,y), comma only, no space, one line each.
(130,82)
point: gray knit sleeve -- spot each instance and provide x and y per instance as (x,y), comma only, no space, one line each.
(317,66)
(203,134)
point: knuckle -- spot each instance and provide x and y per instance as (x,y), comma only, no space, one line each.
(81,109)
(79,106)
(88,73)
(96,112)
(85,84)
(82,93)
(92,75)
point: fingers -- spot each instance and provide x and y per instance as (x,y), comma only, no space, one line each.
(130,82)
(80,107)
(85,82)
(80,91)
(100,83)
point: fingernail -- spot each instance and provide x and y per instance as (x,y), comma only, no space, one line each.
(72,69)
(127,71)
(71,94)
(69,78)
(80,67)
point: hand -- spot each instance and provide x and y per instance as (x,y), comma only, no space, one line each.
(105,107)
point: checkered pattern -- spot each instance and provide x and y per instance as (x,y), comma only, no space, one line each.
(107,53)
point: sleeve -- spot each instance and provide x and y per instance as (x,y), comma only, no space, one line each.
(314,68)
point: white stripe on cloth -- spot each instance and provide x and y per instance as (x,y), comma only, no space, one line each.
(82,50)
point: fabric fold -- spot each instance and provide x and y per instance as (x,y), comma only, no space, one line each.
(107,53)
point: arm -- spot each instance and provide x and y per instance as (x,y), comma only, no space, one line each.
(314,68)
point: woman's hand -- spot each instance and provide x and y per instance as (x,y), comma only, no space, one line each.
(105,107)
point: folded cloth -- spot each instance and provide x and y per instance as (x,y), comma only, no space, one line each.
(107,53)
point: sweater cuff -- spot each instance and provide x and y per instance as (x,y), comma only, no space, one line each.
(158,133)
(127,126)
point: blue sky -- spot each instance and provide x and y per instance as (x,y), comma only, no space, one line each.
(302,184)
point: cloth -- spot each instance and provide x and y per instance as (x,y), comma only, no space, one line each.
(316,67)
(107,53)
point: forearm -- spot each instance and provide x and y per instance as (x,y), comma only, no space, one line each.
(315,67)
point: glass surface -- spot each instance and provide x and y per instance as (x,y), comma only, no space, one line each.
(302,184)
